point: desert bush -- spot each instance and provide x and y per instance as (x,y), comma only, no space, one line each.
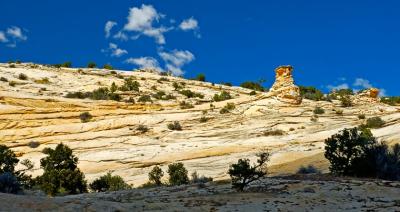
(191,94)
(9,183)
(310,169)
(12,83)
(203,119)
(85,117)
(159,95)
(195,178)
(312,93)
(201,77)
(33,144)
(109,182)
(145,98)
(142,128)
(44,80)
(226,83)
(252,85)
(155,176)
(185,105)
(76,95)
(346,147)
(91,65)
(375,122)
(130,85)
(361,116)
(113,87)
(174,126)
(274,132)
(242,173)
(318,110)
(61,174)
(18,62)
(11,66)
(252,93)
(8,160)
(108,67)
(115,73)
(224,95)
(391,100)
(176,86)
(227,108)
(22,76)
(339,112)
(314,118)
(345,101)
(163,79)
(3,79)
(178,174)
(99,94)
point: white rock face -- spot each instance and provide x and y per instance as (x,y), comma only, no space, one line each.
(32,111)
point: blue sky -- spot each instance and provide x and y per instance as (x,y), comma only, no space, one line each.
(331,44)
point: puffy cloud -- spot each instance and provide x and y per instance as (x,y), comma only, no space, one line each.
(107,28)
(176,59)
(360,82)
(115,50)
(121,36)
(338,87)
(3,38)
(189,24)
(141,20)
(16,33)
(144,62)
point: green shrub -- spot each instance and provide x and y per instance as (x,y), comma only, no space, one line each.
(176,86)
(12,83)
(191,94)
(201,77)
(346,101)
(314,118)
(242,173)
(18,62)
(61,174)
(109,183)
(8,160)
(100,94)
(310,169)
(391,100)
(375,122)
(312,93)
(174,126)
(91,65)
(142,128)
(185,105)
(226,83)
(163,79)
(203,119)
(3,79)
(361,116)
(159,95)
(9,183)
(195,178)
(33,144)
(155,175)
(85,117)
(113,87)
(22,76)
(227,108)
(108,67)
(178,174)
(145,98)
(224,95)
(130,85)
(11,66)
(252,85)
(318,110)
(274,133)
(252,93)
(77,95)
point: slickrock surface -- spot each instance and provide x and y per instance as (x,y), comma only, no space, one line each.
(278,194)
(284,87)
(367,96)
(35,115)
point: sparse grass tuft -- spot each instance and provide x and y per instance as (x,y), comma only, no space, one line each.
(174,126)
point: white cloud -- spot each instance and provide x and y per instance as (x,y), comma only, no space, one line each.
(360,82)
(338,87)
(121,36)
(16,33)
(141,20)
(144,62)
(115,50)
(3,37)
(382,92)
(107,28)
(189,24)
(176,59)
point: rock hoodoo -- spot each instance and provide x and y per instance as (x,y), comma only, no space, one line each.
(368,95)
(284,88)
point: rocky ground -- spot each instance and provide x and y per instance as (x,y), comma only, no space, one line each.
(35,111)
(294,193)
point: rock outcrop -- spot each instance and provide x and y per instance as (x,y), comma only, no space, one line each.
(370,95)
(284,88)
